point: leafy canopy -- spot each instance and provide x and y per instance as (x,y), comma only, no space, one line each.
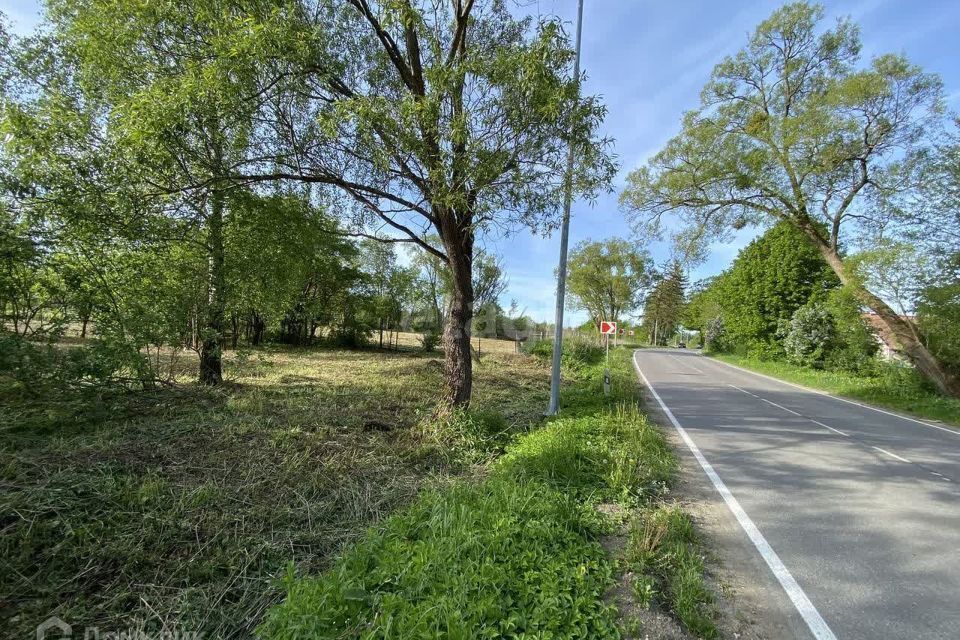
(792,128)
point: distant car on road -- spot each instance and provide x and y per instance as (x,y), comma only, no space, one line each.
(681,345)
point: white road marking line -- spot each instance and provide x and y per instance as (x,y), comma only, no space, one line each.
(955,432)
(892,455)
(815,622)
(826,426)
(684,363)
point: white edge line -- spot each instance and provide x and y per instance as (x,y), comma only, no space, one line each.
(892,455)
(817,625)
(955,432)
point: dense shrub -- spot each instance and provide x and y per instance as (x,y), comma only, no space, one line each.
(809,335)
(429,340)
(38,368)
(577,352)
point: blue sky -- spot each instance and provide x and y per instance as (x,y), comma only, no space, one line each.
(648,60)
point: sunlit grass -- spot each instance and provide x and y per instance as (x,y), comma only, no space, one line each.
(181,507)
(515,553)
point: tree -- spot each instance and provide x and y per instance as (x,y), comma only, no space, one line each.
(608,278)
(431,118)
(790,129)
(489,280)
(167,101)
(768,281)
(664,305)
(391,283)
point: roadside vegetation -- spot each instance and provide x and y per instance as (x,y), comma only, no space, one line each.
(516,551)
(323,478)
(180,507)
(778,309)
(893,386)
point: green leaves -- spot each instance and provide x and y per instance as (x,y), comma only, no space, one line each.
(608,278)
(790,126)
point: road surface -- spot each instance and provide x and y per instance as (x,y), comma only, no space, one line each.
(854,511)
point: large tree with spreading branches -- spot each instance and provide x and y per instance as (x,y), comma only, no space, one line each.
(793,128)
(432,120)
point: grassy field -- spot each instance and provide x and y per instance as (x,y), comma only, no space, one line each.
(518,551)
(180,508)
(322,474)
(899,388)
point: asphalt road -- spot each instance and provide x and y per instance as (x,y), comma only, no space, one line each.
(855,512)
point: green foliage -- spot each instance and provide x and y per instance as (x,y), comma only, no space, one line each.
(429,340)
(938,317)
(608,278)
(500,559)
(854,347)
(663,549)
(578,352)
(768,281)
(809,335)
(663,309)
(609,457)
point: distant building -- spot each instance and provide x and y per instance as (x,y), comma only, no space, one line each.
(879,330)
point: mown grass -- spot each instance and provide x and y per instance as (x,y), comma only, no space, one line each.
(180,508)
(515,552)
(894,387)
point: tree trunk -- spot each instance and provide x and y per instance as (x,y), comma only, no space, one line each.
(211,364)
(235,334)
(458,365)
(896,331)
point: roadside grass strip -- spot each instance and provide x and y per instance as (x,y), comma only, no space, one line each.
(516,553)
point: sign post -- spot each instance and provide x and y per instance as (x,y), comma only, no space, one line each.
(607,329)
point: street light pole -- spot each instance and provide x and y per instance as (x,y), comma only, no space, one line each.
(554,407)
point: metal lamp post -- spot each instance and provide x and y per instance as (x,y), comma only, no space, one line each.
(564,238)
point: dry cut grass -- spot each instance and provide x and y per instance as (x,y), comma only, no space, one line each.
(179,509)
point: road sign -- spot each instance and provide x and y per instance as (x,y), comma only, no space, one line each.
(608,328)
(622,331)
(630,333)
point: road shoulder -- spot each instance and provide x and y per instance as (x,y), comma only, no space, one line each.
(751,604)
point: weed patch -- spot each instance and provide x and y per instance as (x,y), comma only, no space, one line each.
(662,550)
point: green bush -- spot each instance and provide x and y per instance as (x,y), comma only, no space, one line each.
(616,456)
(38,368)
(429,340)
(578,353)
